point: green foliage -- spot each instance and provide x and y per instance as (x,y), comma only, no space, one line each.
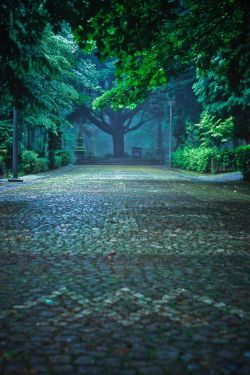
(21,24)
(242,158)
(43,164)
(214,132)
(235,159)
(29,157)
(66,157)
(32,163)
(57,161)
(2,166)
(118,97)
(194,158)
(199,159)
(153,40)
(5,138)
(226,160)
(218,98)
(51,84)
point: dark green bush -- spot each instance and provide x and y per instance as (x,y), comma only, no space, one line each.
(242,160)
(242,157)
(194,158)
(57,161)
(226,160)
(235,159)
(2,166)
(32,163)
(199,159)
(43,164)
(67,157)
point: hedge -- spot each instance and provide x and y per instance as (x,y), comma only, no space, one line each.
(2,166)
(31,163)
(199,159)
(66,157)
(57,161)
(194,158)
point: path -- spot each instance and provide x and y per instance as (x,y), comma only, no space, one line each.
(133,270)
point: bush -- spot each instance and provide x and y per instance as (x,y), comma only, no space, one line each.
(2,166)
(199,159)
(57,161)
(226,160)
(32,163)
(43,164)
(194,158)
(242,160)
(235,159)
(214,132)
(66,156)
(242,157)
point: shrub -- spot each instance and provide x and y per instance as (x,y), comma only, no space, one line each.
(32,163)
(235,159)
(242,160)
(43,164)
(2,166)
(214,132)
(57,161)
(226,160)
(195,159)
(199,159)
(66,156)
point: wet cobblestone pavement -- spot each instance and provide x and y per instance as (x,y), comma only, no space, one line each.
(124,270)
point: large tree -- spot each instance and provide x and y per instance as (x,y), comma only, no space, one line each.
(115,123)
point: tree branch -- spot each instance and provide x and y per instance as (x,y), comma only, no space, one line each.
(138,125)
(100,123)
(83,112)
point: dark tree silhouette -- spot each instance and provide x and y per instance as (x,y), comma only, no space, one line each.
(115,123)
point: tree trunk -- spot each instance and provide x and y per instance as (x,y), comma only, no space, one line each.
(118,144)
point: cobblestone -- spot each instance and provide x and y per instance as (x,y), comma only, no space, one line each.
(124,270)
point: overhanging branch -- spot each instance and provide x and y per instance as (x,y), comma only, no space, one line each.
(138,125)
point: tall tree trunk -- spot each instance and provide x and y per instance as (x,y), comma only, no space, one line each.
(118,144)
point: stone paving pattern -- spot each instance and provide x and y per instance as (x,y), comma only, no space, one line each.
(124,270)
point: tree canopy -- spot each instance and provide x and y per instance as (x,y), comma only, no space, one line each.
(156,39)
(151,40)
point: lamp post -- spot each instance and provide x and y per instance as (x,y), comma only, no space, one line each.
(15,148)
(170,103)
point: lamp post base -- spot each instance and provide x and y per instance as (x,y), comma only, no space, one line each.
(15,180)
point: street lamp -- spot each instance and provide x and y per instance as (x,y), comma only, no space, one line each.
(170,103)
(15,148)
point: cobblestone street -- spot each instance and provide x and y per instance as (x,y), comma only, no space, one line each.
(124,270)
